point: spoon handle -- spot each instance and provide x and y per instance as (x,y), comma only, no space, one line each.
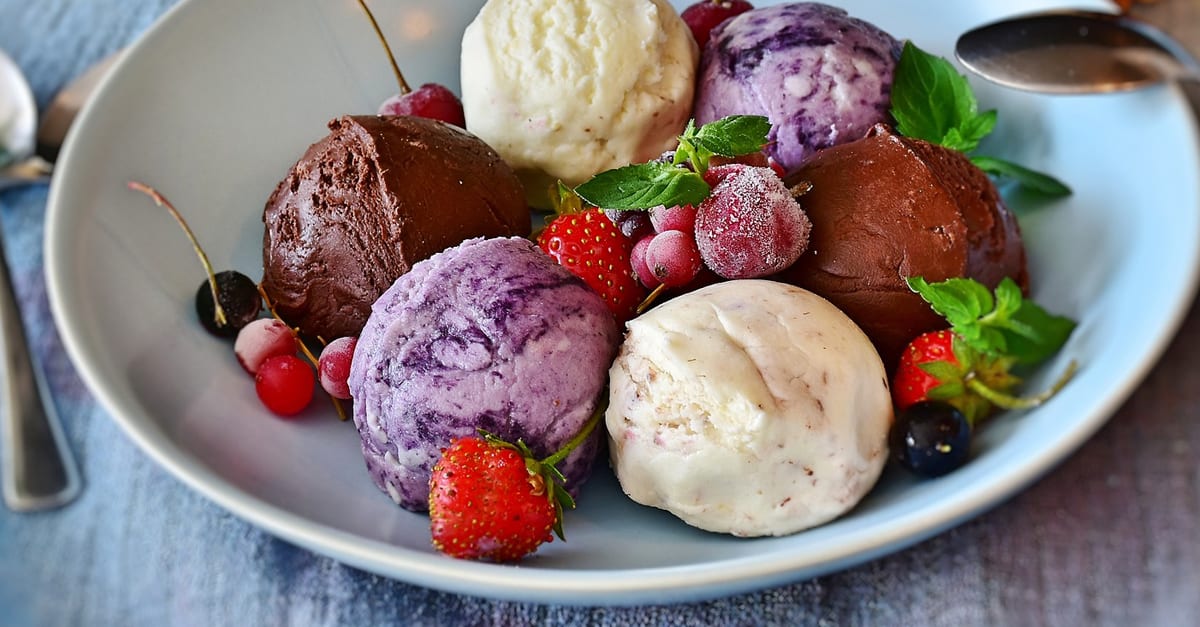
(38,471)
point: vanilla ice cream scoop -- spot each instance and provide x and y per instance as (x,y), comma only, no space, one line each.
(564,89)
(748,407)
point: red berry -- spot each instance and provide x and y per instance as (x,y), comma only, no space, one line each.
(911,384)
(706,15)
(430,100)
(589,245)
(261,339)
(673,258)
(486,503)
(750,226)
(637,258)
(285,384)
(333,367)
(673,218)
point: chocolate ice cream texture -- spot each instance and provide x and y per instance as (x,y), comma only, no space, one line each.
(366,202)
(887,207)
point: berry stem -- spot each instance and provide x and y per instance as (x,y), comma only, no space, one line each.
(404,88)
(650,298)
(1007,401)
(587,429)
(337,405)
(161,201)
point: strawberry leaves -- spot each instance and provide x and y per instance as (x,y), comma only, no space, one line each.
(1003,323)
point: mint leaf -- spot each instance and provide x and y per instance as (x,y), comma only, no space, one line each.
(933,102)
(733,136)
(1004,324)
(644,185)
(1037,181)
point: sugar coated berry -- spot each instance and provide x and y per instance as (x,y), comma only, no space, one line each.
(637,257)
(430,100)
(262,339)
(673,258)
(333,367)
(673,218)
(706,15)
(285,384)
(750,226)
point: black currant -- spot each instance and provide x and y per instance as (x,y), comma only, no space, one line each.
(931,438)
(239,298)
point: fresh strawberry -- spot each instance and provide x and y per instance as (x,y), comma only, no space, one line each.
(590,246)
(969,365)
(491,500)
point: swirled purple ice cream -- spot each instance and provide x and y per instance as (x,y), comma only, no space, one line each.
(821,76)
(490,334)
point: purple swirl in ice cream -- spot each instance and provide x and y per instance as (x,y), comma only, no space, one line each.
(491,334)
(821,76)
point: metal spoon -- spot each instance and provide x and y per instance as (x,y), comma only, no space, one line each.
(1074,52)
(38,470)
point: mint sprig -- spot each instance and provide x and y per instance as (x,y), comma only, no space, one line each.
(680,182)
(932,101)
(1002,324)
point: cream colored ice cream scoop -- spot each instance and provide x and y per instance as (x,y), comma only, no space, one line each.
(749,407)
(564,89)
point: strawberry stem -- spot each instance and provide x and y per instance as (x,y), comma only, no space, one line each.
(587,429)
(404,88)
(1007,401)
(161,201)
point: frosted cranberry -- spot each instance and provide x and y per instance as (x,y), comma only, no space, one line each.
(261,339)
(285,384)
(637,258)
(673,258)
(430,100)
(706,15)
(333,367)
(750,225)
(673,218)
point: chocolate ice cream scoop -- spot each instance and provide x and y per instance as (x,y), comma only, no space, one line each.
(373,197)
(887,207)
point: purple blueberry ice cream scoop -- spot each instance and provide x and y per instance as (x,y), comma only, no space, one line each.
(821,76)
(491,334)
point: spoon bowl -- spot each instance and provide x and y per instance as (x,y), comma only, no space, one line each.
(18,113)
(1074,52)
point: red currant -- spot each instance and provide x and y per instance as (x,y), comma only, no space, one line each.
(706,15)
(285,384)
(261,339)
(430,100)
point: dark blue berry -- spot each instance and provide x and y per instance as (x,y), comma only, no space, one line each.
(239,297)
(931,438)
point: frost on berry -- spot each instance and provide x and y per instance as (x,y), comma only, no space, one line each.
(637,257)
(673,218)
(263,338)
(750,226)
(334,366)
(673,258)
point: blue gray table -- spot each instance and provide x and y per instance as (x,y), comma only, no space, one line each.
(1110,537)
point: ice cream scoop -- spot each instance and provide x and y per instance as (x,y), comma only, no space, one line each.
(748,407)
(371,198)
(490,334)
(564,89)
(888,207)
(821,76)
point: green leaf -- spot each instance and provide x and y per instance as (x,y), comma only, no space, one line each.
(733,136)
(932,101)
(644,185)
(1032,179)
(1005,324)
